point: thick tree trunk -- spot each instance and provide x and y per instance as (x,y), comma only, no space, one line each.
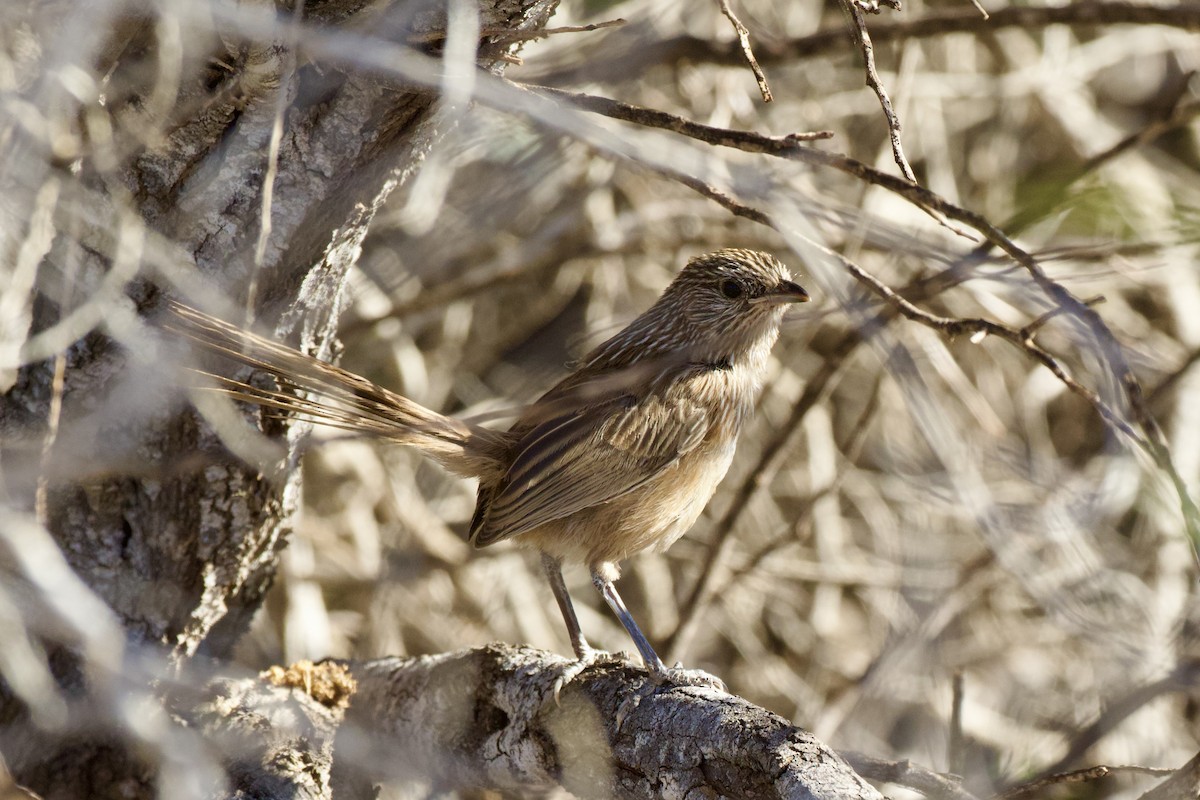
(176,536)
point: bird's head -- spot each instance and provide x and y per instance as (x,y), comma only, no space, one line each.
(732,300)
(722,306)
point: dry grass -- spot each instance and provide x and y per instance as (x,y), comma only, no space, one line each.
(945,508)
(933,506)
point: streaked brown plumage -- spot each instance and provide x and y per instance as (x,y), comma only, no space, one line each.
(620,456)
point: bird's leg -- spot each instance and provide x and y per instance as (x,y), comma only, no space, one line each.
(609,591)
(585,654)
(553,569)
(659,672)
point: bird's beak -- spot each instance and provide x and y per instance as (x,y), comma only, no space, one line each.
(785,292)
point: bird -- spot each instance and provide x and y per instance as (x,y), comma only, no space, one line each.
(619,457)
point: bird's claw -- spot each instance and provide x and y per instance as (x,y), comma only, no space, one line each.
(576,668)
(660,674)
(679,675)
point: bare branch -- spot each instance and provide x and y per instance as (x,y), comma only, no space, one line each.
(1185,16)
(507,35)
(744,42)
(1185,783)
(1120,708)
(1154,442)
(906,773)
(863,39)
(1036,787)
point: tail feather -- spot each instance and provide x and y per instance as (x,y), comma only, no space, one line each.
(337,398)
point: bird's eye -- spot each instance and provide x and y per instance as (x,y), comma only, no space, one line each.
(731,289)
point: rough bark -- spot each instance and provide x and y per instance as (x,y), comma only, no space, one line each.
(275,733)
(487,719)
(177,537)
(183,558)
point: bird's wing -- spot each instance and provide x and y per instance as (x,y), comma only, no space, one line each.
(585,457)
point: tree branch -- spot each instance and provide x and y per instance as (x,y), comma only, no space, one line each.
(635,58)
(486,719)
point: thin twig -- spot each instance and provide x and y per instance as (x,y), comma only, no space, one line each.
(790,147)
(1182,784)
(1184,16)
(863,39)
(282,100)
(53,418)
(1154,443)
(506,35)
(1165,385)
(743,35)
(1036,787)
(950,326)
(906,773)
(954,756)
(964,326)
(748,141)
(1117,710)
(1181,114)
(1033,327)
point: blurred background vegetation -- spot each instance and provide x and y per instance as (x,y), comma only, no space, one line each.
(909,511)
(944,510)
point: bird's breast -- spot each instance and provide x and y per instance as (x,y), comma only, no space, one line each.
(662,509)
(668,507)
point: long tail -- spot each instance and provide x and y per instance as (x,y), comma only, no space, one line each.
(332,396)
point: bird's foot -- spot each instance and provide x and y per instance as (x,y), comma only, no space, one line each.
(574,669)
(678,674)
(660,674)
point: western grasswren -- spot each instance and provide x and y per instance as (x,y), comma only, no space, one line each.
(620,456)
